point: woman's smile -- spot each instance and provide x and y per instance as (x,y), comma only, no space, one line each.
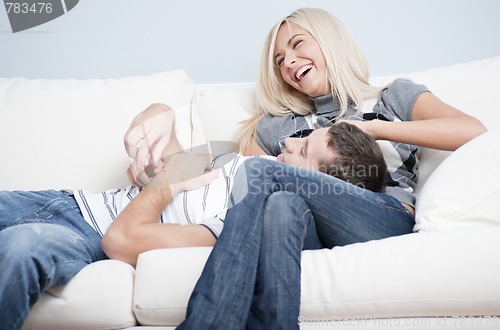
(300,60)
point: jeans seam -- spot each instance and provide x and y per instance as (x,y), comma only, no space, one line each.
(46,207)
(304,214)
(403,210)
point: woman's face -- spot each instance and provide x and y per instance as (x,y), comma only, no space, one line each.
(300,60)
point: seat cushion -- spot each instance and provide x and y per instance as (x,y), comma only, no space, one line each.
(415,275)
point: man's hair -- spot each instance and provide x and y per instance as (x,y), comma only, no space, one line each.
(357,157)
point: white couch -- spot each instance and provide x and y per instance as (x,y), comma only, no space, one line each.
(68,134)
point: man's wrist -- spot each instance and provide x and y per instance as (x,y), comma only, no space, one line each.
(159,196)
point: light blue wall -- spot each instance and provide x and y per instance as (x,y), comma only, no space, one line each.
(220,41)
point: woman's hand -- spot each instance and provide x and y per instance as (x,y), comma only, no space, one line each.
(147,138)
(370,127)
(434,124)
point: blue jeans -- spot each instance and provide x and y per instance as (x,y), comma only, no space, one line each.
(44,242)
(252,277)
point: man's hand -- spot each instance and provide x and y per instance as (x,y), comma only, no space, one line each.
(137,228)
(184,171)
(150,134)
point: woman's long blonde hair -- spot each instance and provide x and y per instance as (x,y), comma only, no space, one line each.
(347,71)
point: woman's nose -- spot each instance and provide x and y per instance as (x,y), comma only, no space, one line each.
(289,60)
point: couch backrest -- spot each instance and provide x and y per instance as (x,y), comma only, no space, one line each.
(68,133)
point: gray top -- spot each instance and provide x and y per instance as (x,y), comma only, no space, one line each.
(395,103)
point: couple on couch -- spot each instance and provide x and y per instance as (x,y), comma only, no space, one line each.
(312,74)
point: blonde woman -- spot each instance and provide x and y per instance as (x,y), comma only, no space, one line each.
(312,74)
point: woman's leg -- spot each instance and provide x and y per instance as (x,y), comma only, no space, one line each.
(45,242)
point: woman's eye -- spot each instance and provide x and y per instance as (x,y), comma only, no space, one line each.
(280,61)
(297,43)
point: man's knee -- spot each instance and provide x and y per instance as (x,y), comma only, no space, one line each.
(288,209)
(292,216)
(289,202)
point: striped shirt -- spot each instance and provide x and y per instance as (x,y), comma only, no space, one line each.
(206,206)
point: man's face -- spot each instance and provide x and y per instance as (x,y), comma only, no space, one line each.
(308,152)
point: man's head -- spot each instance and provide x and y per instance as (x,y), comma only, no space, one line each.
(343,151)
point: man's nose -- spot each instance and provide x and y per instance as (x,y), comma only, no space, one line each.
(290,144)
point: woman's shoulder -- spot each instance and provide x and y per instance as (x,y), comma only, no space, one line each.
(400,96)
(404,85)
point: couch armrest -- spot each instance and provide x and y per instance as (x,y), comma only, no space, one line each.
(98,297)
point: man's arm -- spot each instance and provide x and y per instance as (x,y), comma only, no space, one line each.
(137,228)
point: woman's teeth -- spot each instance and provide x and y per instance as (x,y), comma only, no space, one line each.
(303,71)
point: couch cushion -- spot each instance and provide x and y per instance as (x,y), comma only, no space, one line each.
(163,284)
(464,191)
(415,275)
(98,297)
(67,133)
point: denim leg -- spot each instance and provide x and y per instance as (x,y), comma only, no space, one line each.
(276,300)
(223,294)
(44,243)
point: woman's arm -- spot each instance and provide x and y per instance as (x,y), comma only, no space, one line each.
(434,124)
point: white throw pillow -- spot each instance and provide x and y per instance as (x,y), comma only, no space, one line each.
(464,191)
(68,133)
